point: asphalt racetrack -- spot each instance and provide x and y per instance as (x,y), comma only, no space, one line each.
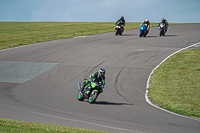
(38,83)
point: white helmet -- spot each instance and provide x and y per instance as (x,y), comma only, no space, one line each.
(102,71)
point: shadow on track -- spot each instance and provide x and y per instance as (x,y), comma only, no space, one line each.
(171,35)
(159,36)
(150,36)
(128,34)
(110,103)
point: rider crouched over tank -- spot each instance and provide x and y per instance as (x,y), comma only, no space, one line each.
(146,21)
(121,21)
(166,24)
(95,77)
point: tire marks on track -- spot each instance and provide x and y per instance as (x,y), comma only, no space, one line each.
(96,67)
(116,86)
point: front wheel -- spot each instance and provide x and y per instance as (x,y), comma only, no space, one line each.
(93,96)
(80,96)
(161,32)
(140,34)
(116,33)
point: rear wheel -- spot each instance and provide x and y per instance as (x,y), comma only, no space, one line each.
(145,33)
(80,96)
(120,32)
(93,96)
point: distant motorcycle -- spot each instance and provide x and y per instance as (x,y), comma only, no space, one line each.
(143,30)
(119,28)
(162,28)
(96,89)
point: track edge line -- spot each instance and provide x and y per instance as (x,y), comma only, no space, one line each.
(147,86)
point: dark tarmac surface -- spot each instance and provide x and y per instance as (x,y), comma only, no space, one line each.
(50,96)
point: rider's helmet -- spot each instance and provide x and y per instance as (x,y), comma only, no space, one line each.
(102,71)
(122,17)
(163,20)
(146,21)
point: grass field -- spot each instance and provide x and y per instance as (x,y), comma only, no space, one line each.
(175,84)
(8,126)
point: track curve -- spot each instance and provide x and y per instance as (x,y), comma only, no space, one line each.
(50,96)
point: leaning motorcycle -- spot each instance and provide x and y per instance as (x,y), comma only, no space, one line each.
(162,29)
(143,30)
(96,87)
(119,28)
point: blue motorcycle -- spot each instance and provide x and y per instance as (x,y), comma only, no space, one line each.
(143,30)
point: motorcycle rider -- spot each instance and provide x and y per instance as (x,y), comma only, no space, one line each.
(165,22)
(122,21)
(146,21)
(97,76)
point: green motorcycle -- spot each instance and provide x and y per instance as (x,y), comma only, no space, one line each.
(91,91)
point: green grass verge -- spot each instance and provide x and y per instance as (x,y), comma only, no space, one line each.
(8,126)
(14,34)
(175,84)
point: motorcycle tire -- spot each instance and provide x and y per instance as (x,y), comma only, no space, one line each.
(161,32)
(80,96)
(93,96)
(116,33)
(140,34)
